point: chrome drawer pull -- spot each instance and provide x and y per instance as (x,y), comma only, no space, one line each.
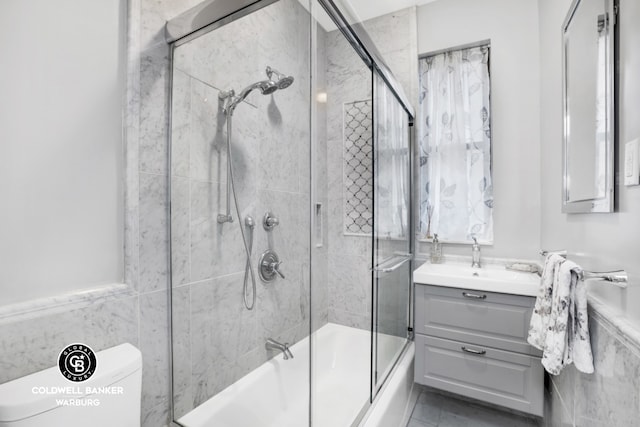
(474,296)
(472,351)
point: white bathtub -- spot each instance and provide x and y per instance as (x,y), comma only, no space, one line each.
(277,392)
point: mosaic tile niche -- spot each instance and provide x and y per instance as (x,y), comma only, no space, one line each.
(358,167)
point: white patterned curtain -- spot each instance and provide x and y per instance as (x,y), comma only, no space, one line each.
(456,196)
(391,163)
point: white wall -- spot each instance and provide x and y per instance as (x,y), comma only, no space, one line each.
(61,153)
(512,27)
(597,241)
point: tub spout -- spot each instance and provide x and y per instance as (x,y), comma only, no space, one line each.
(272,344)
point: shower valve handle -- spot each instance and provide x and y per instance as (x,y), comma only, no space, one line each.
(275,267)
(269,266)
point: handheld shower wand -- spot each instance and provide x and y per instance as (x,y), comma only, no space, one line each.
(229,101)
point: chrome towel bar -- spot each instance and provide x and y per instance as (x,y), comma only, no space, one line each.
(618,278)
(562,253)
(401,260)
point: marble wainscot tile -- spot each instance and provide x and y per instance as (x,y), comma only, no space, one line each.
(319,290)
(562,397)
(279,303)
(349,283)
(208,150)
(290,239)
(180,231)
(32,309)
(393,35)
(39,335)
(280,164)
(153,16)
(556,413)
(154,114)
(156,417)
(616,322)
(181,319)
(154,214)
(227,47)
(611,395)
(221,331)
(154,345)
(347,318)
(337,241)
(249,130)
(180,123)
(305,296)
(563,385)
(132,123)
(216,249)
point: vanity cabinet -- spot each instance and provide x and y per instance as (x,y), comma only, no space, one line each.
(474,343)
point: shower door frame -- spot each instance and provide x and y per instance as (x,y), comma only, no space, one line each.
(213,14)
(359,39)
(182,29)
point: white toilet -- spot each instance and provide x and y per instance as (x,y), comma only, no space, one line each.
(110,398)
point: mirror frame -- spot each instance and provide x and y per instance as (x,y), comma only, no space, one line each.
(605,203)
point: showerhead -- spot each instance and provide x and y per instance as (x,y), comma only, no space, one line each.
(283,81)
(266,87)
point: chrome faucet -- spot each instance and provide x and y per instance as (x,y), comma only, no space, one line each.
(272,344)
(475,253)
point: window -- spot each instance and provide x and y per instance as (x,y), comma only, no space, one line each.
(454,129)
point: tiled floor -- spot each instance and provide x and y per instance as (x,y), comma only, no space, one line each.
(442,410)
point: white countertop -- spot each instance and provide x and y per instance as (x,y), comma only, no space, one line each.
(489,278)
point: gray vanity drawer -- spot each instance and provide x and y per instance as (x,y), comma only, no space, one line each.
(477,317)
(504,378)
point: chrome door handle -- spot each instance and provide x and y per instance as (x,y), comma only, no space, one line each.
(473,296)
(472,351)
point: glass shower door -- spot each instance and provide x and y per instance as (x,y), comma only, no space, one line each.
(391,232)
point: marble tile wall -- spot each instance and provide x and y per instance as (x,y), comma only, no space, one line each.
(31,341)
(216,339)
(138,315)
(319,270)
(147,219)
(348,257)
(608,397)
(348,80)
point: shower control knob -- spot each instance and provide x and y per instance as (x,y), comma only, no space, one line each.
(269,266)
(270,221)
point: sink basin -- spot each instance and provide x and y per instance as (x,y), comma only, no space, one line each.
(490,278)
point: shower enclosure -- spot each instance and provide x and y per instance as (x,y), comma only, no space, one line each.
(290,215)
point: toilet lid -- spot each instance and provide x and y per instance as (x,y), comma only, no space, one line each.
(39,392)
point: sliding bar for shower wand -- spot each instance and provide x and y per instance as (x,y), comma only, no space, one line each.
(222,218)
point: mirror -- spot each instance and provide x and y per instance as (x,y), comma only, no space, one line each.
(588,89)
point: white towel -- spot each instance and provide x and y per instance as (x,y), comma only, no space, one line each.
(541,316)
(567,338)
(579,348)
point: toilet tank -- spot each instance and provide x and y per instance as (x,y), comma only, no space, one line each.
(110,397)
